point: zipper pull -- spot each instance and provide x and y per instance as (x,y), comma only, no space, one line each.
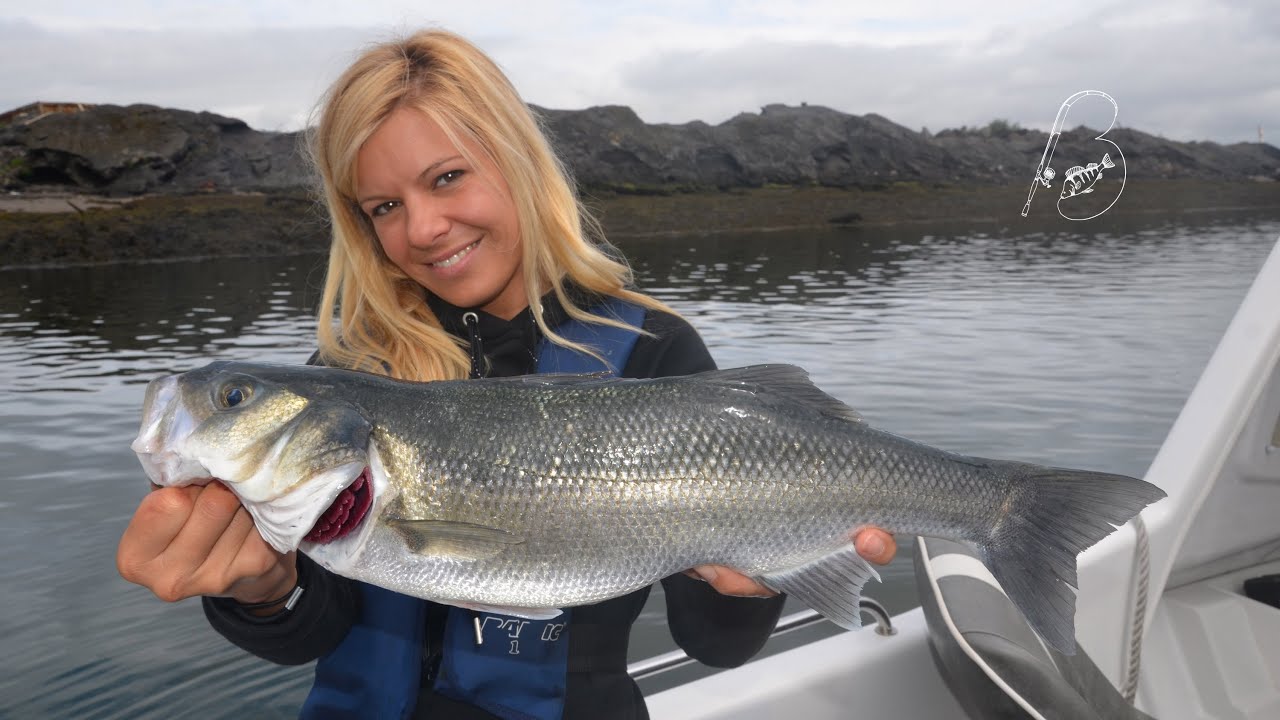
(472,321)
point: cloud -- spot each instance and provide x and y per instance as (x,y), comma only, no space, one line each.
(1197,77)
(270,78)
(1188,69)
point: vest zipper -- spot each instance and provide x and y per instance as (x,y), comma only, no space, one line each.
(472,321)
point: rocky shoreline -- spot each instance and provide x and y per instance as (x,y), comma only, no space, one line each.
(112,183)
(89,230)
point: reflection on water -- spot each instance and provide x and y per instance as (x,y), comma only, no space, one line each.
(112,321)
(1073,349)
(76,349)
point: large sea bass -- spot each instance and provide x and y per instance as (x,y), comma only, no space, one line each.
(525,495)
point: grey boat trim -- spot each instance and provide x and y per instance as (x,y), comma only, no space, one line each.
(985,576)
(991,659)
(658,664)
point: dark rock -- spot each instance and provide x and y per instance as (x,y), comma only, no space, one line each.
(138,149)
(611,147)
(846,219)
(1146,156)
(142,149)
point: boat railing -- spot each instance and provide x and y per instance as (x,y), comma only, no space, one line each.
(659,664)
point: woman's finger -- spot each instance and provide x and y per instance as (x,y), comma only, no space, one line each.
(214,509)
(159,519)
(731,582)
(876,545)
(222,568)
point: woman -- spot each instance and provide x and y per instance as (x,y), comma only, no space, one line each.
(459,249)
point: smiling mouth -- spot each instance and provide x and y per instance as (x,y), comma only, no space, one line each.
(346,512)
(453,259)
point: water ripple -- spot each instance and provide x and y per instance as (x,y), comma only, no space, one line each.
(1065,348)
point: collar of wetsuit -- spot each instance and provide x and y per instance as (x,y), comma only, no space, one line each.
(510,346)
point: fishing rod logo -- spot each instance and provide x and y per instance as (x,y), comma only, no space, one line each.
(1080,179)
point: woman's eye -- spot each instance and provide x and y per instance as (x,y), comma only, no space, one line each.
(382,209)
(449,177)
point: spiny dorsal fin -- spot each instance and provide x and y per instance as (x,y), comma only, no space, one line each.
(784,381)
(552,379)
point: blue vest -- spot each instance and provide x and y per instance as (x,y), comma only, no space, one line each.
(518,672)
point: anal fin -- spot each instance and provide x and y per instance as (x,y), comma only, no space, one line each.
(831,584)
(520,612)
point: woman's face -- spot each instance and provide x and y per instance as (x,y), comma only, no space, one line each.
(447,223)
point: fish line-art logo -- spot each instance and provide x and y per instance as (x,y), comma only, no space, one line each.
(1079,181)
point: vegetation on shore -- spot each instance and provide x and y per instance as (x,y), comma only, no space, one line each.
(163,227)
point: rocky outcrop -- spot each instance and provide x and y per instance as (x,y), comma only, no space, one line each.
(612,147)
(141,149)
(113,150)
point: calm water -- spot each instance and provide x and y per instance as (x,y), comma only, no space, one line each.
(1065,348)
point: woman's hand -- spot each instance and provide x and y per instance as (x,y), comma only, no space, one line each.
(873,544)
(189,541)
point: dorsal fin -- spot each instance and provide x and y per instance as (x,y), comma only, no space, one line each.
(788,382)
(556,379)
(784,382)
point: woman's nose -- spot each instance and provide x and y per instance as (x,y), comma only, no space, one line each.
(428,223)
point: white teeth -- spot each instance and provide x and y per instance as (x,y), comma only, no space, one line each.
(447,262)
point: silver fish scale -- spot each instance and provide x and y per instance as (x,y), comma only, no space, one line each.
(613,486)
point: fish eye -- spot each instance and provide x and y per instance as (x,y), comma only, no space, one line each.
(232,395)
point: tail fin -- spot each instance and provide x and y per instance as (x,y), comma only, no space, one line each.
(1106,161)
(1052,515)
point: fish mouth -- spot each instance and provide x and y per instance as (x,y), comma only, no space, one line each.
(345,513)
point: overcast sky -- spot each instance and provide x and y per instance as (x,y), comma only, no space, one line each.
(1185,69)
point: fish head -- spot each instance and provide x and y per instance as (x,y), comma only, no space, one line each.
(291,454)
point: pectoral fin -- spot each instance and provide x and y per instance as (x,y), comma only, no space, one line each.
(831,584)
(463,541)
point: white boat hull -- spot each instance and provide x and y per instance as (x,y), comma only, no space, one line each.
(852,674)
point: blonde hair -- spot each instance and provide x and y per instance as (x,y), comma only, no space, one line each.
(383,323)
